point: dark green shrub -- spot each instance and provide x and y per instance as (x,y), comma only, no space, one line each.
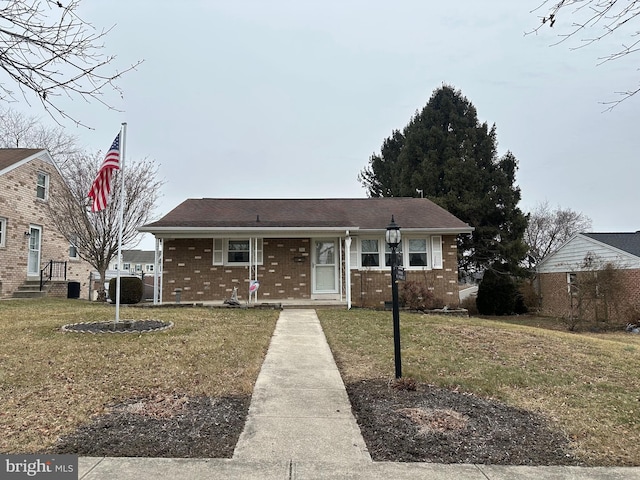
(130,290)
(497,294)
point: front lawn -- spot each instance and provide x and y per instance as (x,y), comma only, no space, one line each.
(51,383)
(584,384)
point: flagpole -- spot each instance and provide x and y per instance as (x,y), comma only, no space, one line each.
(123,142)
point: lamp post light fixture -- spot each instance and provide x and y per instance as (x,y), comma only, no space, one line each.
(393,238)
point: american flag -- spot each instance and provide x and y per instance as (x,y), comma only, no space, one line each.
(102,184)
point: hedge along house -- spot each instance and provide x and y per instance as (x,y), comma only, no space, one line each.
(303,250)
(573,281)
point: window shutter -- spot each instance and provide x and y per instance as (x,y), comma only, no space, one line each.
(259,250)
(353,254)
(436,251)
(218,251)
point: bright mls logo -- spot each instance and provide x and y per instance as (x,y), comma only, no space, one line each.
(49,467)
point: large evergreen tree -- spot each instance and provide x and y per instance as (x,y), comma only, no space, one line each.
(452,157)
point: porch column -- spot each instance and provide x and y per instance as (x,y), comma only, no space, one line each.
(157,278)
(347,267)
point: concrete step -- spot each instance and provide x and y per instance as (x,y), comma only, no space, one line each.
(30,289)
(29,294)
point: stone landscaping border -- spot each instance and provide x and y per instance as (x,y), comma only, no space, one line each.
(123,326)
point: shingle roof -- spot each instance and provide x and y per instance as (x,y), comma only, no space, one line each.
(363,213)
(138,256)
(627,241)
(9,156)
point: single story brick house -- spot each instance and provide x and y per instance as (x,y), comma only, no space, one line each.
(304,249)
(578,263)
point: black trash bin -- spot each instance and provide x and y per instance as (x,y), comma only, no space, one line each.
(73,290)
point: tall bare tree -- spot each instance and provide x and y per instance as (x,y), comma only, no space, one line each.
(590,21)
(548,229)
(95,235)
(47,51)
(18,130)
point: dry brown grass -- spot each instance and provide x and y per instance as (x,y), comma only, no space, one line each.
(51,382)
(586,384)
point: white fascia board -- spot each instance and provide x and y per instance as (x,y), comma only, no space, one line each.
(230,232)
(38,155)
(420,231)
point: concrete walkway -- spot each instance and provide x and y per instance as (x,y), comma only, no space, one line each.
(300,426)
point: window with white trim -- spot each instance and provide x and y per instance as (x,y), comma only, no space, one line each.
(126,267)
(370,254)
(238,251)
(412,252)
(399,255)
(572,283)
(235,251)
(418,252)
(42,186)
(149,267)
(3,231)
(73,250)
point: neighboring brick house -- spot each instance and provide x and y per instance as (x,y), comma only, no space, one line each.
(577,262)
(28,239)
(305,249)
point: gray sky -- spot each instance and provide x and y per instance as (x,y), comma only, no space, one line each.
(290,98)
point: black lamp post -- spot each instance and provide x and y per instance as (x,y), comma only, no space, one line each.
(393,238)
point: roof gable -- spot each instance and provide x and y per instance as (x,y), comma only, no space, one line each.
(615,248)
(627,242)
(11,158)
(360,213)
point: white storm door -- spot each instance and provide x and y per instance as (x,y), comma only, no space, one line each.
(325,267)
(33,261)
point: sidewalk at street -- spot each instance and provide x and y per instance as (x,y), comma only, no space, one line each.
(300,426)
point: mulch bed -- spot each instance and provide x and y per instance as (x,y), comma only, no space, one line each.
(163,426)
(437,425)
(122,326)
(424,425)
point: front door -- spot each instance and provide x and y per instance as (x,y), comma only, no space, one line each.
(325,266)
(33,262)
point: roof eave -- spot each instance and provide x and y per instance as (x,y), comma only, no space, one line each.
(204,232)
(207,232)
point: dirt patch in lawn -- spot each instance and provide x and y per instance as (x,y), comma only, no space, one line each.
(425,425)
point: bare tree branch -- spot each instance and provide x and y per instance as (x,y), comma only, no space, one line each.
(96,234)
(20,131)
(548,229)
(48,50)
(593,21)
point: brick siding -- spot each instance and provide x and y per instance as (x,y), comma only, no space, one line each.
(556,301)
(20,207)
(286,274)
